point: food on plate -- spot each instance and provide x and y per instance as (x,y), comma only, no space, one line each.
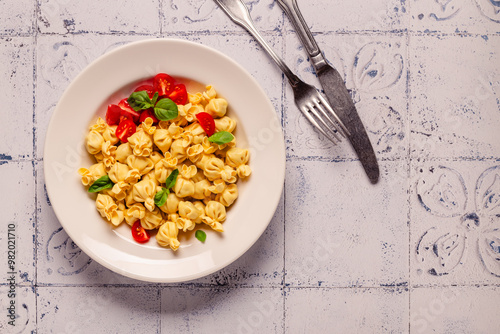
(166,160)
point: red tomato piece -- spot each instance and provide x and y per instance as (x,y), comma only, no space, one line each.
(139,233)
(148,88)
(206,122)
(127,111)
(148,113)
(125,129)
(113,114)
(163,84)
(179,94)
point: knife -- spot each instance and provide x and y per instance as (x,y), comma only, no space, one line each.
(336,92)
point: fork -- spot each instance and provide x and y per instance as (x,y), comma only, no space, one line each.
(307,98)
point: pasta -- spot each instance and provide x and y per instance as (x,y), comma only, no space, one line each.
(167,235)
(109,209)
(144,191)
(141,143)
(94,142)
(168,175)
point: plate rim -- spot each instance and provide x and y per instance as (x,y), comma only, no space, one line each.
(94,255)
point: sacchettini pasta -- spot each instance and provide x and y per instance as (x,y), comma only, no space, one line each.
(206,184)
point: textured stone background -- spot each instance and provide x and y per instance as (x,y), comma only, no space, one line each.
(419,252)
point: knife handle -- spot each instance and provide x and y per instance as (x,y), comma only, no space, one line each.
(291,9)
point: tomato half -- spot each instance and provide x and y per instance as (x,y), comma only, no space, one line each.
(206,122)
(127,111)
(113,114)
(148,113)
(139,233)
(179,94)
(163,84)
(148,88)
(125,129)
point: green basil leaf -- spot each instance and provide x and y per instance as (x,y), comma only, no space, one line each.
(221,137)
(200,235)
(104,182)
(161,197)
(140,100)
(166,110)
(172,179)
(155,98)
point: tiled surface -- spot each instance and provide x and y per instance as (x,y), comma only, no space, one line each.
(346,310)
(418,252)
(374,67)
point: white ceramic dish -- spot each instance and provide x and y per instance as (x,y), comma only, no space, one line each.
(86,98)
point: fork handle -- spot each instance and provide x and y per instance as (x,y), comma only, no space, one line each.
(238,12)
(291,10)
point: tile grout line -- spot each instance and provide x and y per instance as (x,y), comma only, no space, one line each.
(35,161)
(258,287)
(161,311)
(283,122)
(408,158)
(160,16)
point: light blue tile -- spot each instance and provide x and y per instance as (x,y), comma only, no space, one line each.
(131,16)
(17,231)
(342,231)
(221,310)
(454,103)
(17,17)
(372,310)
(16,57)
(19,309)
(205,16)
(454,223)
(98,310)
(468,309)
(357,15)
(455,16)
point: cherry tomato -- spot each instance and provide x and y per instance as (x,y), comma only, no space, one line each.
(148,88)
(179,94)
(148,113)
(113,114)
(125,129)
(206,122)
(163,84)
(139,233)
(127,111)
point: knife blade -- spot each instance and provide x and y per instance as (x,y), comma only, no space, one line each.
(336,92)
(339,98)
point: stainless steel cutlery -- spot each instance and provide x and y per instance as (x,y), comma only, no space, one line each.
(339,116)
(309,101)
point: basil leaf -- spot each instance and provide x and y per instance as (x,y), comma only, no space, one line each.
(166,110)
(201,235)
(161,197)
(155,98)
(172,179)
(104,182)
(140,100)
(221,137)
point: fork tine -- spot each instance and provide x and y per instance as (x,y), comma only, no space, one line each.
(332,113)
(309,112)
(320,116)
(328,121)
(311,119)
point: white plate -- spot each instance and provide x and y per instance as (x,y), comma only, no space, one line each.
(85,99)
